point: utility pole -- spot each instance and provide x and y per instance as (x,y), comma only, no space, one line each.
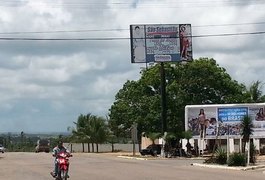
(164,108)
(163,99)
(134,136)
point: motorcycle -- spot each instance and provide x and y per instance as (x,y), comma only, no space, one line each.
(63,165)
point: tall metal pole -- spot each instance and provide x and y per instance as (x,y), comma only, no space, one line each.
(228,145)
(163,99)
(163,108)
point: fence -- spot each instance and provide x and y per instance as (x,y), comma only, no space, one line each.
(78,147)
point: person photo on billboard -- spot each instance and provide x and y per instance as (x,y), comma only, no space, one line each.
(138,45)
(211,128)
(260,115)
(203,123)
(184,42)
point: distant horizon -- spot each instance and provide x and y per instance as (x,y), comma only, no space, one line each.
(44,133)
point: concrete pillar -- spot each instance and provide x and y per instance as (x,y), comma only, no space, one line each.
(240,145)
(202,145)
(192,142)
(256,143)
(184,143)
(231,146)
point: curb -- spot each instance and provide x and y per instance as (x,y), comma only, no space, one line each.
(128,157)
(156,158)
(228,167)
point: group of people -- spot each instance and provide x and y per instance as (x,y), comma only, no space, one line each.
(234,129)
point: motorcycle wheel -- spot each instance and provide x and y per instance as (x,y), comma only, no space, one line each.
(64,175)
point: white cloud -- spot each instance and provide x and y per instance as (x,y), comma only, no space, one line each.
(58,80)
(110,84)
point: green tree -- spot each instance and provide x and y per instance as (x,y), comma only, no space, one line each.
(247,130)
(254,93)
(81,132)
(153,136)
(98,131)
(90,129)
(199,82)
(112,139)
(169,139)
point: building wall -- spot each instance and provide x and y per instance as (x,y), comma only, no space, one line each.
(146,142)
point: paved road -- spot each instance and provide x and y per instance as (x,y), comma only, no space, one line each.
(32,166)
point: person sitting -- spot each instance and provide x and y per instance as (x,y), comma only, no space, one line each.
(57,150)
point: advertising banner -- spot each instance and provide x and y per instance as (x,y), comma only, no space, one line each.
(229,119)
(208,121)
(202,121)
(160,43)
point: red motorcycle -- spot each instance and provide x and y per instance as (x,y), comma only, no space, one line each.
(63,165)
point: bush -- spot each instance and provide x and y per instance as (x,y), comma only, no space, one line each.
(210,160)
(221,156)
(237,159)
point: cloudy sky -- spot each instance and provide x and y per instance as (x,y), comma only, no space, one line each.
(46,84)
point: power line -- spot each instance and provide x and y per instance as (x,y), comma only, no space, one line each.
(63,31)
(230,34)
(119,29)
(63,39)
(120,38)
(231,24)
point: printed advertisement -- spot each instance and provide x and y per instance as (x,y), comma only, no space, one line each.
(229,119)
(256,113)
(160,43)
(202,122)
(208,121)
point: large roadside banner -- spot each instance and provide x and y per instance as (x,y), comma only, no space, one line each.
(208,121)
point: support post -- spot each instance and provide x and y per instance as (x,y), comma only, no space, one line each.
(163,99)
(164,107)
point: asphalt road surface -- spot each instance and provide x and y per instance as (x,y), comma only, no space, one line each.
(36,166)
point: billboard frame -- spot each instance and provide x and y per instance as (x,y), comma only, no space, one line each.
(160,43)
(229,118)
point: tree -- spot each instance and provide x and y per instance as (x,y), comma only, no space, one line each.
(22,134)
(247,130)
(254,93)
(153,136)
(199,82)
(98,131)
(81,132)
(112,139)
(169,138)
(90,129)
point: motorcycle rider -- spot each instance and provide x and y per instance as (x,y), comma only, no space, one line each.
(57,150)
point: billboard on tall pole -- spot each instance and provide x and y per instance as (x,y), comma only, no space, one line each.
(161,43)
